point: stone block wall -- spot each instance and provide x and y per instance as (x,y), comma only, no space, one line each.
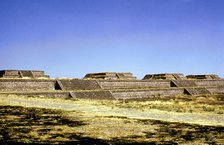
(204,77)
(28,74)
(110,76)
(133,84)
(22,74)
(26,85)
(216,90)
(183,83)
(196,91)
(143,94)
(39,74)
(106,85)
(9,74)
(40,94)
(76,84)
(93,95)
(174,76)
(209,82)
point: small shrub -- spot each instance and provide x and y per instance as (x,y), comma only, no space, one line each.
(210,139)
(220,112)
(179,110)
(207,108)
(190,110)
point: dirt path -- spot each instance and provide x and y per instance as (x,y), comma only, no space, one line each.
(92,109)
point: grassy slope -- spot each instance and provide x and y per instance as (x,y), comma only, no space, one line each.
(55,121)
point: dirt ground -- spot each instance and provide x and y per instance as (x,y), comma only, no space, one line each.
(37,120)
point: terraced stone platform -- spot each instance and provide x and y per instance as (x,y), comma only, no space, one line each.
(27,84)
(166,76)
(110,86)
(183,83)
(110,76)
(196,91)
(22,74)
(204,77)
(76,84)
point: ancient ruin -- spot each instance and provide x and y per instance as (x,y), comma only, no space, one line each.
(110,76)
(173,76)
(212,76)
(22,74)
(108,85)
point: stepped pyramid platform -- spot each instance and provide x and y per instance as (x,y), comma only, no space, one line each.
(110,76)
(196,91)
(166,76)
(108,85)
(183,83)
(22,74)
(203,77)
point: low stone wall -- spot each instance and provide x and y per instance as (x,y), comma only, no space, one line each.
(143,94)
(209,82)
(110,76)
(183,83)
(106,95)
(75,84)
(196,91)
(133,84)
(166,76)
(9,74)
(26,84)
(205,76)
(216,90)
(22,74)
(41,94)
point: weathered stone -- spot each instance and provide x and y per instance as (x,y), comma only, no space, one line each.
(40,94)
(209,83)
(76,84)
(135,84)
(110,76)
(143,94)
(102,94)
(107,85)
(183,83)
(22,74)
(166,76)
(26,84)
(196,91)
(205,77)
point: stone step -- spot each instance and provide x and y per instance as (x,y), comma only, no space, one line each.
(183,83)
(26,74)
(196,91)
(110,76)
(75,84)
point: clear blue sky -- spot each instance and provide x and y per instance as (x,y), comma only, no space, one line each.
(69,38)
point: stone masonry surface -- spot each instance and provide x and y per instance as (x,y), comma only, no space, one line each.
(108,85)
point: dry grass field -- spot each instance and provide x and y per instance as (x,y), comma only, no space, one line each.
(197,120)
